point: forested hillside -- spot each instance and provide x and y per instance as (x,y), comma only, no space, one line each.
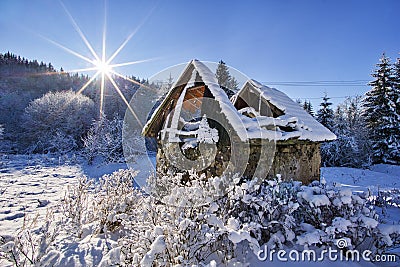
(22,81)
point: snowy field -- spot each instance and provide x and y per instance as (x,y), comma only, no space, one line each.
(32,184)
(379,177)
(29,185)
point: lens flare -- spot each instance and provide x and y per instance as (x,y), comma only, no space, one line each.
(103,67)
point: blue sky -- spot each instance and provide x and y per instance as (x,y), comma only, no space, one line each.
(269,41)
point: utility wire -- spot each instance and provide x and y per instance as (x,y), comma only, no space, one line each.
(347,83)
(330,97)
(319,83)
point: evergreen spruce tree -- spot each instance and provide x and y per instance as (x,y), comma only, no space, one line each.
(225,80)
(222,74)
(380,113)
(325,113)
(308,107)
(305,105)
(233,84)
(396,84)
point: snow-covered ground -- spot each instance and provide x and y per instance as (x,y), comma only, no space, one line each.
(379,177)
(32,184)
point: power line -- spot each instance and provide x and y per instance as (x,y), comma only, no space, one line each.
(323,81)
(319,83)
(330,97)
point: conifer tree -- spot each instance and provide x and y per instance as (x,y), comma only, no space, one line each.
(325,113)
(225,80)
(233,83)
(308,107)
(222,74)
(396,84)
(380,112)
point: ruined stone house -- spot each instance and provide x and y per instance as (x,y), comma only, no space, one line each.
(260,131)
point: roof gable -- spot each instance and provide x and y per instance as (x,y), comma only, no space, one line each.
(307,127)
(194,73)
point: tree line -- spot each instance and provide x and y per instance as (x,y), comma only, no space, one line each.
(35,100)
(367,127)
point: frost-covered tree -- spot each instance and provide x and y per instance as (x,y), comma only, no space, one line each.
(308,107)
(325,113)
(226,80)
(380,112)
(339,152)
(56,115)
(104,139)
(114,105)
(352,147)
(396,84)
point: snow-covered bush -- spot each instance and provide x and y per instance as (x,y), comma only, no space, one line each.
(104,140)
(102,202)
(182,234)
(57,116)
(62,143)
(265,210)
(31,243)
(114,198)
(390,197)
(286,214)
(330,213)
(200,226)
(148,232)
(384,200)
(163,235)
(75,205)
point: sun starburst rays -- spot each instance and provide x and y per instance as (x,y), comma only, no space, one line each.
(78,29)
(123,98)
(103,67)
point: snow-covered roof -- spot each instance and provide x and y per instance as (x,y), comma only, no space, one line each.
(292,121)
(307,127)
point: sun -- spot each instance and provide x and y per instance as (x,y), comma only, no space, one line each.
(99,63)
(103,67)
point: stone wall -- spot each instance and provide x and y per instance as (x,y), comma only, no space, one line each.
(219,159)
(293,160)
(298,161)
